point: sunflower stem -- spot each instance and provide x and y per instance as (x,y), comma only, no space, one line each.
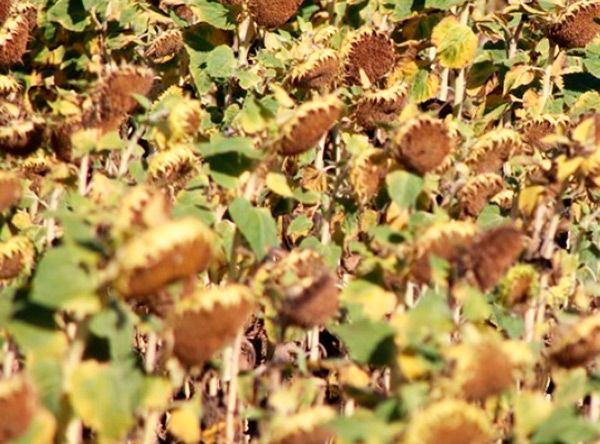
(84,168)
(152,420)
(443,95)
(151,347)
(547,84)
(8,361)
(232,388)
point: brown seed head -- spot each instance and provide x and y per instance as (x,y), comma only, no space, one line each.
(477,192)
(143,206)
(381,106)
(208,320)
(534,130)
(422,144)
(310,122)
(165,46)
(368,174)
(318,71)
(578,344)
(5,7)
(576,25)
(10,190)
(370,51)
(492,150)
(172,167)
(272,14)
(14,36)
(21,136)
(18,404)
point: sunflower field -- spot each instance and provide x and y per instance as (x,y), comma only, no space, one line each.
(300,221)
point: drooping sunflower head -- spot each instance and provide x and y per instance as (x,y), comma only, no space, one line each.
(450,422)
(10,190)
(494,252)
(521,284)
(14,36)
(536,129)
(421,144)
(477,192)
(311,121)
(492,150)
(368,173)
(17,256)
(368,51)
(318,71)
(380,106)
(576,26)
(161,255)
(208,320)
(172,166)
(577,344)
(305,427)
(21,135)
(302,289)
(5,9)
(165,46)
(18,404)
(272,14)
(8,85)
(143,206)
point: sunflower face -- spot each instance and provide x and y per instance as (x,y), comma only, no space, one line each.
(576,26)
(273,14)
(450,422)
(144,206)
(477,192)
(521,284)
(309,124)
(578,344)
(381,106)
(318,71)
(21,135)
(165,46)
(10,190)
(369,51)
(208,320)
(303,289)
(172,166)
(5,6)
(422,144)
(161,255)
(536,129)
(368,174)
(16,258)
(14,36)
(492,150)
(494,252)
(17,408)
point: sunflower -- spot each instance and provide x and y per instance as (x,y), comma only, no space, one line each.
(11,190)
(535,130)
(143,206)
(17,256)
(14,36)
(272,14)
(173,166)
(521,284)
(477,192)
(18,405)
(380,106)
(578,344)
(318,71)
(369,51)
(368,174)
(492,150)
(165,46)
(576,25)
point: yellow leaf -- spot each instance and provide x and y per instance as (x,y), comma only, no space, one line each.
(567,167)
(183,424)
(528,198)
(374,300)
(456,44)
(519,75)
(585,132)
(278,184)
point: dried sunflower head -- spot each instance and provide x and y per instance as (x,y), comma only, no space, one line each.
(10,190)
(369,51)
(272,14)
(143,206)
(380,106)
(172,166)
(17,256)
(305,427)
(576,25)
(18,403)
(492,150)
(521,284)
(368,174)
(578,344)
(5,9)
(161,255)
(208,320)
(450,422)
(446,240)
(318,71)
(310,122)
(8,85)
(165,46)
(477,192)
(493,253)
(534,130)
(422,144)
(303,289)
(113,98)
(21,135)
(14,36)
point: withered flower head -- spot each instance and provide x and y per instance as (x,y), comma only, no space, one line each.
(28,10)
(576,25)
(161,255)
(317,71)
(310,122)
(444,240)
(578,344)
(534,130)
(380,106)
(18,404)
(208,320)
(113,98)
(477,192)
(368,173)
(17,256)
(185,118)
(422,144)
(492,150)
(504,199)
(143,206)
(5,7)
(450,422)
(165,46)
(14,36)
(521,284)
(171,166)
(303,289)
(21,136)
(10,190)
(305,427)
(494,252)
(369,51)
(8,85)
(272,14)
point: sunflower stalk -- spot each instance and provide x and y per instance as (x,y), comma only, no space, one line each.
(547,84)
(232,387)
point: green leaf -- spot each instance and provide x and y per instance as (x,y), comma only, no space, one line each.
(592,58)
(456,44)
(404,188)
(368,342)
(222,145)
(70,14)
(256,225)
(220,62)
(563,426)
(213,13)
